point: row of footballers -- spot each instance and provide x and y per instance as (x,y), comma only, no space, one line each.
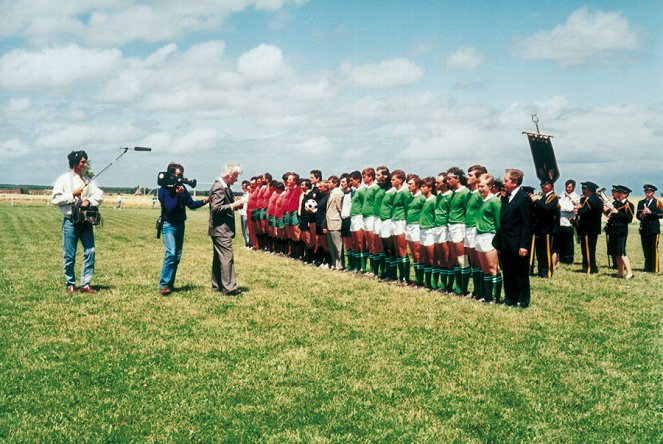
(367,222)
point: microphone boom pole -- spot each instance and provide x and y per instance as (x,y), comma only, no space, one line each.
(124,151)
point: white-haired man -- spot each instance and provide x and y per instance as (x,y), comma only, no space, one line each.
(222,208)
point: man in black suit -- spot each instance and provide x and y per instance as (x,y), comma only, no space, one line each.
(512,240)
(589,214)
(650,210)
(222,208)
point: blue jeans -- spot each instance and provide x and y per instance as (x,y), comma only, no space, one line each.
(245,231)
(71,233)
(173,240)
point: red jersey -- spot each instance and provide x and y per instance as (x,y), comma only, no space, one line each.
(252,203)
(271,205)
(281,203)
(293,200)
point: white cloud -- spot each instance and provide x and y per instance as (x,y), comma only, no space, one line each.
(386,74)
(56,67)
(118,22)
(262,64)
(464,59)
(18,105)
(584,35)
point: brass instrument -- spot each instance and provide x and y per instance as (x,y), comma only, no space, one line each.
(607,204)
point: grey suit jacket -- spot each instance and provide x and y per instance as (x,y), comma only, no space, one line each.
(334,206)
(221,215)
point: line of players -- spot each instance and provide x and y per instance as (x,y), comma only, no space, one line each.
(446,222)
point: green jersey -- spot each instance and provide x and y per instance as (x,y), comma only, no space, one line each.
(488,217)
(399,209)
(458,205)
(442,202)
(358,201)
(471,212)
(414,208)
(379,195)
(369,200)
(387,204)
(427,214)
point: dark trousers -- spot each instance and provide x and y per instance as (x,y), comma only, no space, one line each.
(588,246)
(543,245)
(564,244)
(515,273)
(650,249)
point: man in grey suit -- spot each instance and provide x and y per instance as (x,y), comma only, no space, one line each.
(222,208)
(333,221)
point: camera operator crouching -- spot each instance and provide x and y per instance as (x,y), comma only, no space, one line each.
(174,198)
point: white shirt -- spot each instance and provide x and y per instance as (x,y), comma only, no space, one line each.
(513,193)
(567,203)
(63,197)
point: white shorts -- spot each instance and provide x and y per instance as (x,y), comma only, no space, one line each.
(412,233)
(397,227)
(427,236)
(456,233)
(441,234)
(470,235)
(377,223)
(356,223)
(385,228)
(369,223)
(484,242)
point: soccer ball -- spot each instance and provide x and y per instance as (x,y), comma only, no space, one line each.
(311,206)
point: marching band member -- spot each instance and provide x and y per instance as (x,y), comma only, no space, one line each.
(650,210)
(589,225)
(618,219)
(546,221)
(563,240)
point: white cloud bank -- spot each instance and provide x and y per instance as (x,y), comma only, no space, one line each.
(585,34)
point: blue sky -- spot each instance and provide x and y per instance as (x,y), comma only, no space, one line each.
(281,85)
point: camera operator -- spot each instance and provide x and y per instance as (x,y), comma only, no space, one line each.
(70,188)
(174,199)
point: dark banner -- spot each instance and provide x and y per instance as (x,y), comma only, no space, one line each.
(543,154)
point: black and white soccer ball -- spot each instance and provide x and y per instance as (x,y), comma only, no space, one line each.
(311,206)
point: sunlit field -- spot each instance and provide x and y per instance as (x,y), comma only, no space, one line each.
(310,355)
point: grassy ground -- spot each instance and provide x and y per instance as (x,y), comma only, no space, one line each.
(306,355)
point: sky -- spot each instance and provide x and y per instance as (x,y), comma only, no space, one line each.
(295,85)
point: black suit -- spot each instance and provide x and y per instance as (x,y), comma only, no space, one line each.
(589,228)
(650,229)
(514,233)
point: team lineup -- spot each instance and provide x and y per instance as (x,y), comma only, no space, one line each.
(467,234)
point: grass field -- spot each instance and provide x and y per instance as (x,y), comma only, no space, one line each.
(307,355)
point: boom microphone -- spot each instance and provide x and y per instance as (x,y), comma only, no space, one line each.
(142,148)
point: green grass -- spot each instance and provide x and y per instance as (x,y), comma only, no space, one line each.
(306,355)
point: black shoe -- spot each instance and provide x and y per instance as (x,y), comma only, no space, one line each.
(235,292)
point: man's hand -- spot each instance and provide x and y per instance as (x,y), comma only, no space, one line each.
(179,189)
(86,203)
(77,192)
(522,252)
(206,199)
